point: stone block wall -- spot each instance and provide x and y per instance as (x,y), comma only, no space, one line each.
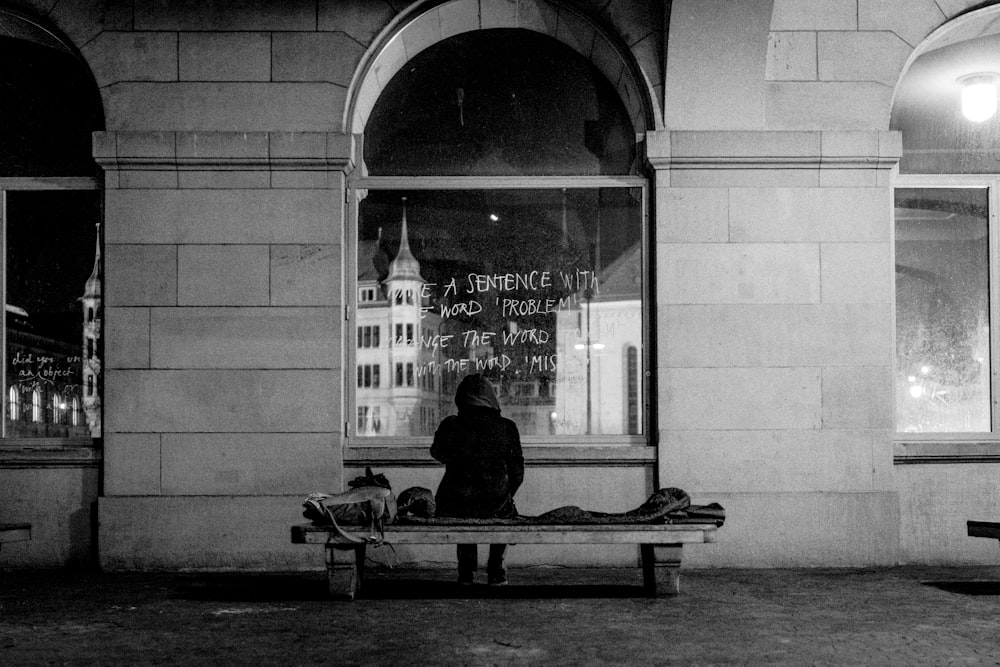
(225,162)
(226,159)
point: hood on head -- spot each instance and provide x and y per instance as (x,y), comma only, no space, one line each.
(476,391)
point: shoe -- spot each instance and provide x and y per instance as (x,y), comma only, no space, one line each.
(466,579)
(498,579)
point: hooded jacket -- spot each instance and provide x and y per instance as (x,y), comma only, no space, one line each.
(481,450)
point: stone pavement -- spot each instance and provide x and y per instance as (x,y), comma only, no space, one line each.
(551,616)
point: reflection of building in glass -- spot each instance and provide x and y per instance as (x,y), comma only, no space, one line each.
(599,345)
(43,383)
(91,303)
(497,270)
(398,390)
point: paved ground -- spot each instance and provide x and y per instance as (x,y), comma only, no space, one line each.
(899,616)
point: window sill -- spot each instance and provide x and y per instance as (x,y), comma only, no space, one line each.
(907,452)
(569,456)
(50,453)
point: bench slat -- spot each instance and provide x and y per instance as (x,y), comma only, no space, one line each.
(522,534)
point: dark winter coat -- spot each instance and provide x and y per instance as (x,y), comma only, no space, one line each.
(481,450)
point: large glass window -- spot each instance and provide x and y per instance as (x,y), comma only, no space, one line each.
(942,310)
(52,280)
(541,290)
(501,230)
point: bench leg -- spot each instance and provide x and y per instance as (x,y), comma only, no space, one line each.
(661,564)
(344,569)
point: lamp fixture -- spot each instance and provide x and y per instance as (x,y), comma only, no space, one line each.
(979,96)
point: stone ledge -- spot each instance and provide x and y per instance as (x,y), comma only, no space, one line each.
(223,150)
(773,149)
(911,452)
(625,455)
(50,453)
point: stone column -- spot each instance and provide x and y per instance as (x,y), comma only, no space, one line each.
(774,278)
(224,311)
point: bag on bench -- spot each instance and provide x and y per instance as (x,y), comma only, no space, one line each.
(369,502)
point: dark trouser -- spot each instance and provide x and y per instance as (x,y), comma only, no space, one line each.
(468,559)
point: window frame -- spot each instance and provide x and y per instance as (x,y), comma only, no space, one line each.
(35,184)
(357,187)
(956,447)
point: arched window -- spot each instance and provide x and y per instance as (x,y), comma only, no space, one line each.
(51,208)
(75,417)
(13,404)
(501,192)
(945,211)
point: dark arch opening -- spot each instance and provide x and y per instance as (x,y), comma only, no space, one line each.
(499,102)
(50,106)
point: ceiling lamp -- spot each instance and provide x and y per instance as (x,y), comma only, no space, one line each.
(979,96)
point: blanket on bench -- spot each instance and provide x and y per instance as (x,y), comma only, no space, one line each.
(415,506)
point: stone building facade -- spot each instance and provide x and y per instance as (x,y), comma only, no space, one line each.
(230,158)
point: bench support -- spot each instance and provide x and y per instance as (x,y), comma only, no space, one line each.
(661,565)
(344,570)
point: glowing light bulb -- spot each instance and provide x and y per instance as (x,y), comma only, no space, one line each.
(979,96)
(916,391)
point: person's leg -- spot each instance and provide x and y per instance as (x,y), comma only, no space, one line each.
(494,567)
(468,561)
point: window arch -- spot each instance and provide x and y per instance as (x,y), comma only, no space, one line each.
(499,102)
(50,216)
(501,188)
(37,410)
(551,18)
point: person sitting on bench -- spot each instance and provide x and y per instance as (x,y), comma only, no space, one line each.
(484,467)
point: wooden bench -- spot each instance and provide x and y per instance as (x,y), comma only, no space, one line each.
(14,532)
(984,529)
(660,546)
